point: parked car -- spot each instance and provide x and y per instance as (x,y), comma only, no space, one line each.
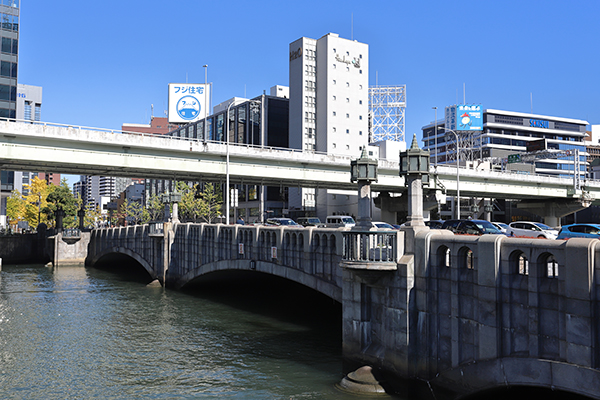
(471,227)
(382,225)
(310,221)
(434,224)
(451,224)
(591,231)
(501,225)
(531,229)
(337,221)
(282,221)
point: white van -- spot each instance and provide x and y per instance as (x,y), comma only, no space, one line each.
(338,221)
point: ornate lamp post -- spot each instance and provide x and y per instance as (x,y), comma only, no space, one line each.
(414,166)
(363,171)
(81,216)
(168,199)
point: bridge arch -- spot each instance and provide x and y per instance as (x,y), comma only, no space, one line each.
(328,289)
(92,261)
(510,372)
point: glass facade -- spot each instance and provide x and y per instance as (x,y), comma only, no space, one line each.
(9,49)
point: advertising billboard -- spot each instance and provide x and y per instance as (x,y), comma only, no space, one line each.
(464,117)
(188,102)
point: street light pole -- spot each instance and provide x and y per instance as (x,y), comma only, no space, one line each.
(227,194)
(435,137)
(205,100)
(457,172)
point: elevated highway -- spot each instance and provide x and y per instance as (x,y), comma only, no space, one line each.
(90,151)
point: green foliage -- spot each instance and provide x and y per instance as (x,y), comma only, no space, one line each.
(61,198)
(190,207)
(154,209)
(36,201)
(211,203)
(15,207)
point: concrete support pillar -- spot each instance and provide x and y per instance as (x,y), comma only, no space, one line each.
(175,216)
(364,217)
(415,201)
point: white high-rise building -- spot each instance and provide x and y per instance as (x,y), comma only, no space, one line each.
(329,107)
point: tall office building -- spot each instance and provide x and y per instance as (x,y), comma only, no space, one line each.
(329,107)
(9,58)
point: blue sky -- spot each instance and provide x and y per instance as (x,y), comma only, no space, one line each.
(102,64)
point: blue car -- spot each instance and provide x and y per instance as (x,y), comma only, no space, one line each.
(591,231)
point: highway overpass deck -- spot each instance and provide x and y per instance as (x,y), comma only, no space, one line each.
(76,150)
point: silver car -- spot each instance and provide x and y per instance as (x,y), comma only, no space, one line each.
(531,229)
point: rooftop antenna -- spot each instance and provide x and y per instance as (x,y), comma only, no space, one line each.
(352,26)
(464,94)
(152,111)
(531,101)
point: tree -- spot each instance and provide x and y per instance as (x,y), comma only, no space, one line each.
(92,215)
(61,198)
(134,211)
(36,201)
(154,209)
(15,207)
(210,206)
(190,207)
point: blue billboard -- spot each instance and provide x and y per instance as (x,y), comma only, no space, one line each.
(469,117)
(464,117)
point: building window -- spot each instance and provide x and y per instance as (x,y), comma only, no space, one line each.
(347,130)
(27,111)
(347,115)
(334,98)
(360,117)
(347,100)
(347,84)
(334,113)
(334,82)
(360,102)
(334,129)
(360,133)
(360,87)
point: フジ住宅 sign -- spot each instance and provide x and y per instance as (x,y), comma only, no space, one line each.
(188,102)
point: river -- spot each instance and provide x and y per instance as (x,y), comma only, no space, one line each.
(81,333)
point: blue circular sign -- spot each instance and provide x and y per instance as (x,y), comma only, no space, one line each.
(188,107)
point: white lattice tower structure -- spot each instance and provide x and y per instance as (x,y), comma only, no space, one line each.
(387,108)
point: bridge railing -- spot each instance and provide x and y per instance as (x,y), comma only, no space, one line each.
(370,246)
(156,229)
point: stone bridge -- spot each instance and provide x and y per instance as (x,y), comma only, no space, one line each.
(447,315)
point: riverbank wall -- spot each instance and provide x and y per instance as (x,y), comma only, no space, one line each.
(24,248)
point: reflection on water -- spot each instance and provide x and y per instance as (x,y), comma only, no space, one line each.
(77,333)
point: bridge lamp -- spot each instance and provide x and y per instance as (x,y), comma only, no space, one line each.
(414,166)
(363,171)
(81,216)
(415,161)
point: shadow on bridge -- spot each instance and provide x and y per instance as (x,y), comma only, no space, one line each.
(127,266)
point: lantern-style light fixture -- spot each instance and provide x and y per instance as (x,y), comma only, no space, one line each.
(415,161)
(363,169)
(171,197)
